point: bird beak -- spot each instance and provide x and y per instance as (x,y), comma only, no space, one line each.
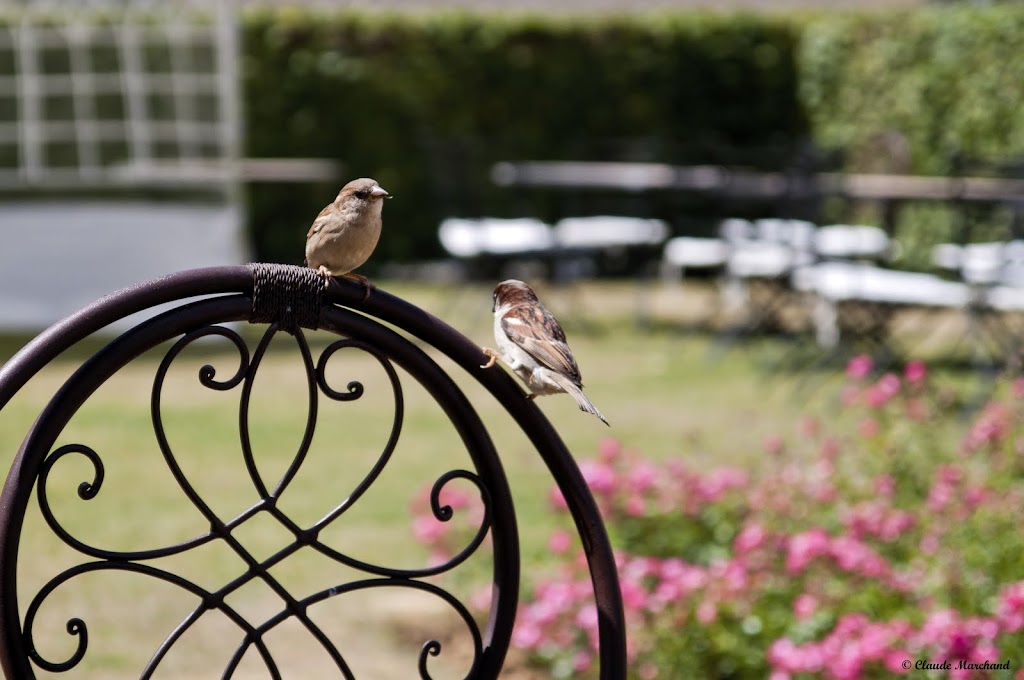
(379,192)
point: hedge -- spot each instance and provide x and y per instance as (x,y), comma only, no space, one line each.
(950,79)
(384,94)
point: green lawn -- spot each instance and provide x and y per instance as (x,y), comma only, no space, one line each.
(666,393)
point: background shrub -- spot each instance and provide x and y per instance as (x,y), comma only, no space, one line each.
(426,104)
(882,538)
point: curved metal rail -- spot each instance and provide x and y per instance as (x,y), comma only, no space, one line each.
(289,299)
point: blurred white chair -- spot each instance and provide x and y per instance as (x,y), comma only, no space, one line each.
(688,252)
(617,239)
(609,231)
(464,238)
(735,229)
(835,283)
(767,248)
(762,254)
(852,242)
(684,253)
(979,264)
(994,271)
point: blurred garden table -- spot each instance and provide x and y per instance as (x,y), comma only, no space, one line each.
(638,177)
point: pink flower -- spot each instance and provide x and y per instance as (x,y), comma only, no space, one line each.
(586,618)
(582,661)
(527,635)
(853,556)
(636,506)
(707,612)
(634,596)
(732,573)
(895,525)
(895,659)
(859,367)
(437,557)
(1017,388)
(609,450)
(600,477)
(427,529)
(773,444)
(944,487)
(752,536)
(849,664)
(481,599)
(868,428)
(885,485)
(642,477)
(915,372)
(829,448)
(786,656)
(557,500)
(929,544)
(456,498)
(950,474)
(804,606)
(915,409)
(713,485)
(1010,607)
(975,496)
(677,579)
(990,428)
(559,541)
(887,387)
(804,547)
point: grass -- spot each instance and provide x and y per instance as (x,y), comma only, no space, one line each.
(666,393)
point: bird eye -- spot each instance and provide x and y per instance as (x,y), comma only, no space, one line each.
(363,193)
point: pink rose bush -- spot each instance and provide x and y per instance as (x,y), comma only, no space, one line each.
(849,554)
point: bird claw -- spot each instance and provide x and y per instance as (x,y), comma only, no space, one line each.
(493,357)
(326,273)
(367,285)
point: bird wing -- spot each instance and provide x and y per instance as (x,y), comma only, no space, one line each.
(318,223)
(539,334)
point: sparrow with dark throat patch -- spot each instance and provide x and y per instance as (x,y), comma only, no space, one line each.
(345,233)
(532,343)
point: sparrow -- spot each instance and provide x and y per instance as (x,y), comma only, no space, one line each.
(532,343)
(345,233)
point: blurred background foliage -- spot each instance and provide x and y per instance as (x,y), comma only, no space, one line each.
(426,103)
(947,79)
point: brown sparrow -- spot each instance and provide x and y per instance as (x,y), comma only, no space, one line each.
(345,233)
(533,344)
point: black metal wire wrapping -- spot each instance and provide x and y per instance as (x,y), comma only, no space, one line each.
(289,296)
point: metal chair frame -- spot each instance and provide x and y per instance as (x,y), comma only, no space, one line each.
(289,299)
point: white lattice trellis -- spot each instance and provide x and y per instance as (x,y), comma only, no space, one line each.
(103,104)
(119,94)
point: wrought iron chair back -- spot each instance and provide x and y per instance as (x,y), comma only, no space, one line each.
(290,300)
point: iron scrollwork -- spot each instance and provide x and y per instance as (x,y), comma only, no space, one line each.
(292,607)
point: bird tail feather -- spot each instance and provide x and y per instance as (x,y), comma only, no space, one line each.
(576,393)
